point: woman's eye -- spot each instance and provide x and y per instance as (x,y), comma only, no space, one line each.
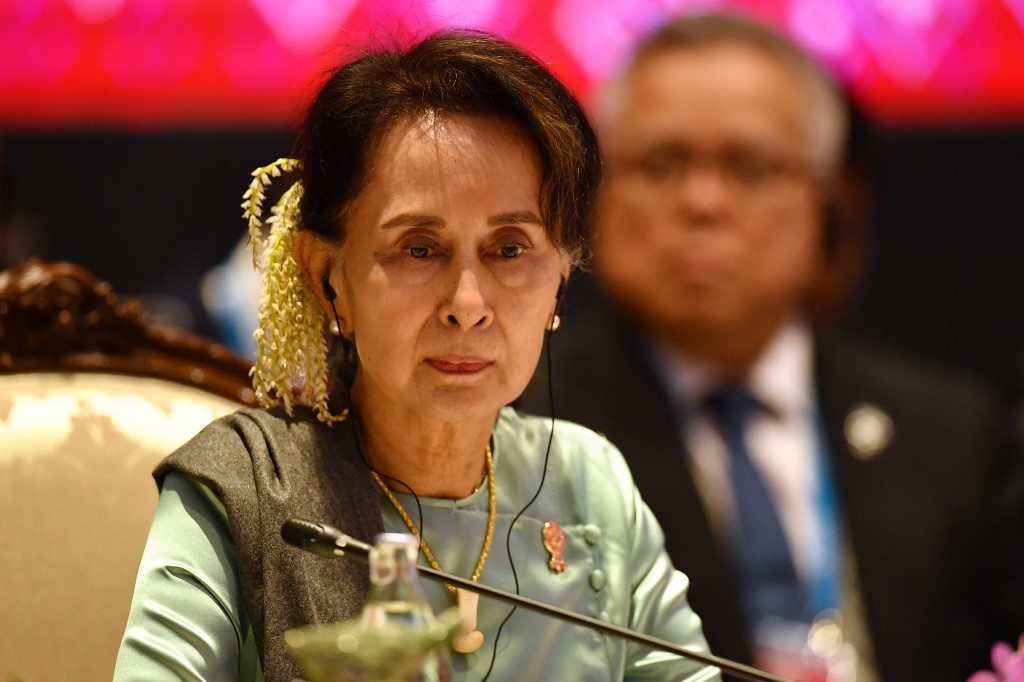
(510,250)
(418,252)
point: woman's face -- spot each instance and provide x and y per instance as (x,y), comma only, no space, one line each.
(447,277)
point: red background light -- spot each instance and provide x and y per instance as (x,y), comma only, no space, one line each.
(204,63)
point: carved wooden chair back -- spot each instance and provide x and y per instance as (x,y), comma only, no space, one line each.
(92,395)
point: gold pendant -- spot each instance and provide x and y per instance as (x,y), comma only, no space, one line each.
(468,639)
(554,543)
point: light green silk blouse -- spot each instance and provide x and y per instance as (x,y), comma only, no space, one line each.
(188,620)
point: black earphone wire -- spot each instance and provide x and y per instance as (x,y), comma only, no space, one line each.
(357,436)
(330,295)
(540,486)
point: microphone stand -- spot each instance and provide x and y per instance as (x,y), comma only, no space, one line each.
(327,541)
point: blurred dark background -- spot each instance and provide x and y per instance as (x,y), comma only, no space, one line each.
(152,213)
(128,131)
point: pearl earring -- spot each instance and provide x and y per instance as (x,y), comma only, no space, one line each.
(554,323)
(335,328)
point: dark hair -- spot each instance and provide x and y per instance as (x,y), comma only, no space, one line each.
(462,72)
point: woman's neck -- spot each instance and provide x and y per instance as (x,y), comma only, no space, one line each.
(434,458)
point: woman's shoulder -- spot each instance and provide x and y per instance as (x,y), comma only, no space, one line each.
(576,444)
(250,425)
(272,417)
(536,427)
(583,469)
(249,439)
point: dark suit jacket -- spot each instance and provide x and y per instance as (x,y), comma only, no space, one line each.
(918,515)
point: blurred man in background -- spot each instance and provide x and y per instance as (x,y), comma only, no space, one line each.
(823,497)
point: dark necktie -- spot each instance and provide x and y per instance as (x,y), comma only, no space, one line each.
(768,582)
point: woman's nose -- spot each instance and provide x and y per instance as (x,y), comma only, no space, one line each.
(467,307)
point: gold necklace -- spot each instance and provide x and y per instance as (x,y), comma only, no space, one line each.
(468,639)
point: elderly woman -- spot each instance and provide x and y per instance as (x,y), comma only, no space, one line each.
(411,275)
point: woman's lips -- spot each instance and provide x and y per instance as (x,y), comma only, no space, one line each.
(459,364)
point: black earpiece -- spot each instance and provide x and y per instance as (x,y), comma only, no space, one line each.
(330,294)
(325,284)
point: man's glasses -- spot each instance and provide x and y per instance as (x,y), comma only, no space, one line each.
(743,170)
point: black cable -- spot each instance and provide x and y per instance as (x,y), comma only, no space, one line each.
(419,508)
(362,456)
(544,473)
(330,295)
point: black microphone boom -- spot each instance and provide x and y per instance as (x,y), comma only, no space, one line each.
(321,539)
(327,541)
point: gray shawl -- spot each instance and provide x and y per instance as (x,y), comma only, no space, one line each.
(267,467)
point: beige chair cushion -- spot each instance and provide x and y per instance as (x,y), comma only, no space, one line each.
(76,501)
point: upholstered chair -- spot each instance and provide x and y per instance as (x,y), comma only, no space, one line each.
(92,395)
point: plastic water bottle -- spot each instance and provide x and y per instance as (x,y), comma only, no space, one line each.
(397,599)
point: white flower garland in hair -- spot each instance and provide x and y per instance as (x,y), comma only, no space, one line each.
(291,353)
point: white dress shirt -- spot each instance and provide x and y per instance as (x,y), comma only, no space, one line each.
(781,438)
(783,443)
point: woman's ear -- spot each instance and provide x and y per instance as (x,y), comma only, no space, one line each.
(316,257)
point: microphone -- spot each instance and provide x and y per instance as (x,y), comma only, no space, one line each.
(329,542)
(323,540)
